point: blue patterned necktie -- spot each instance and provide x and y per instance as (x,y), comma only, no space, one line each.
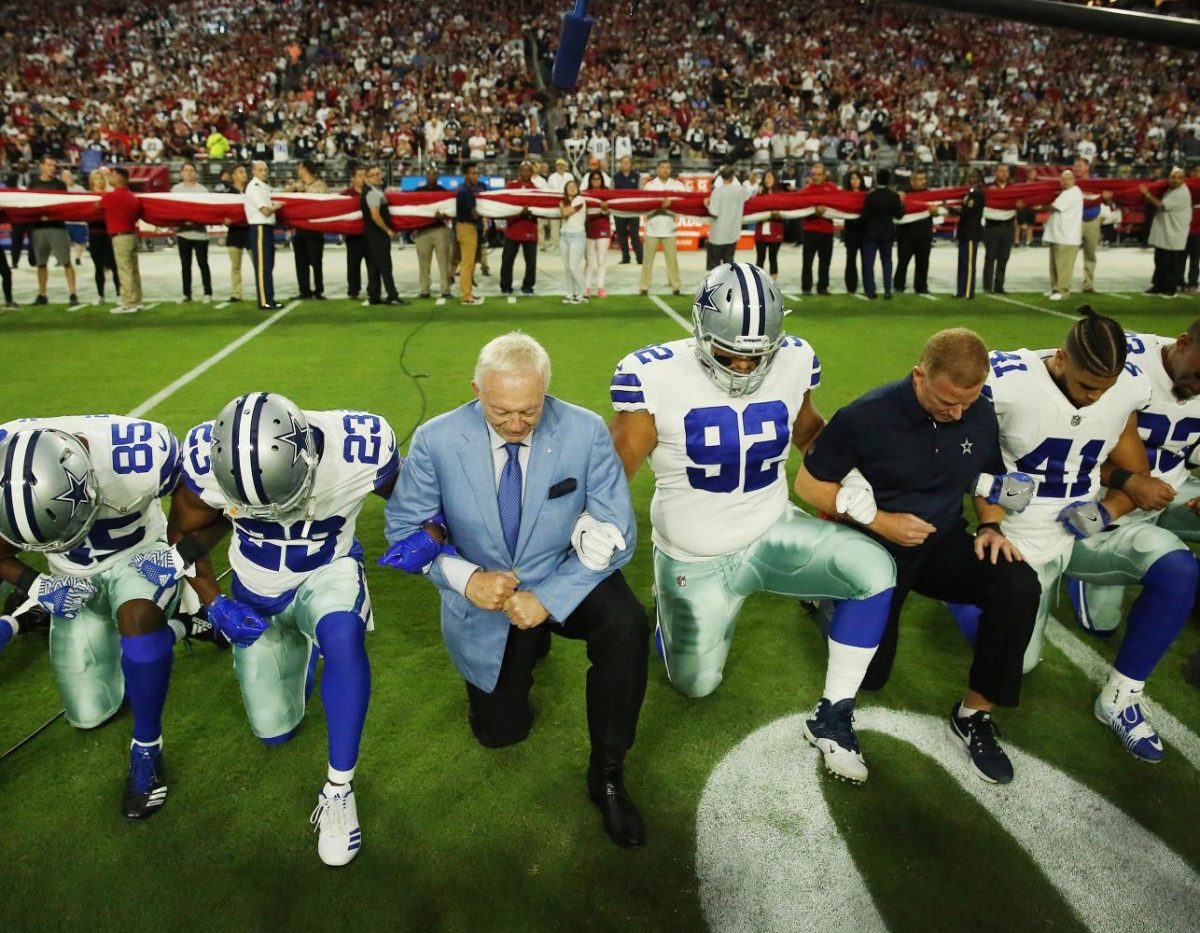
(508,498)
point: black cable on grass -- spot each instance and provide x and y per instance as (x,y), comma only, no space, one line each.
(415,378)
(35,733)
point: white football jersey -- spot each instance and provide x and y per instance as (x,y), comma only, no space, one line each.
(357,454)
(719,462)
(135,463)
(1170,428)
(1059,445)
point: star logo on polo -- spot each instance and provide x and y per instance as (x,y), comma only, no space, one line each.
(76,494)
(297,438)
(704,302)
(966,446)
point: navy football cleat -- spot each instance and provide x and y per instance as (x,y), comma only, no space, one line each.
(1125,712)
(145,786)
(831,731)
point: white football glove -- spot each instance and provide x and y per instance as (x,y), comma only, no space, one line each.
(595,542)
(856,498)
(62,596)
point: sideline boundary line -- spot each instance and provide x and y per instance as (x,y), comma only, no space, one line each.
(671,313)
(196,371)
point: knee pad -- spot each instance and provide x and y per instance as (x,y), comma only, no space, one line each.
(339,632)
(864,566)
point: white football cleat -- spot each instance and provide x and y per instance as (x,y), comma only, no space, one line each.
(336,820)
(831,731)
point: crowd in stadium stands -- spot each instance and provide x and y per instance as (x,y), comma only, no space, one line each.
(408,83)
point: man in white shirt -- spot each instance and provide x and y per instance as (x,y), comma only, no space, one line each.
(1169,234)
(1064,233)
(660,228)
(260,215)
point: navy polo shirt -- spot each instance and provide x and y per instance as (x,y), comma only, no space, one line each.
(464,205)
(914,464)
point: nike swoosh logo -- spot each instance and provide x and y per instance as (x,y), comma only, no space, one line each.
(162,443)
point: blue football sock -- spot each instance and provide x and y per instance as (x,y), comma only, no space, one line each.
(967,617)
(1158,615)
(860,622)
(6,633)
(146,662)
(345,685)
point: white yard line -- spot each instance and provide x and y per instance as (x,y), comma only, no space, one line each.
(926,297)
(861,297)
(512,299)
(1027,305)
(1117,295)
(671,313)
(221,306)
(165,393)
(793,297)
(440,302)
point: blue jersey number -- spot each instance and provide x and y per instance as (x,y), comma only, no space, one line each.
(1006,363)
(363,439)
(713,439)
(1156,429)
(131,453)
(1049,461)
(296,557)
(103,539)
(200,463)
(653,352)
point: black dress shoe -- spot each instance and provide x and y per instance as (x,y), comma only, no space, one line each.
(622,821)
(318,297)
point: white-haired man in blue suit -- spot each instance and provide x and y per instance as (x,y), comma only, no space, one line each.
(532,498)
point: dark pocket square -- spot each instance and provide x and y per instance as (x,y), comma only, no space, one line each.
(562,488)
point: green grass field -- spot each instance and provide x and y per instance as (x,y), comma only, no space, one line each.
(457,837)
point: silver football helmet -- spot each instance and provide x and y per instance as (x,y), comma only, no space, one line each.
(48,497)
(738,311)
(264,456)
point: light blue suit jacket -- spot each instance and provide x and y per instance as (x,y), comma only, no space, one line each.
(450,470)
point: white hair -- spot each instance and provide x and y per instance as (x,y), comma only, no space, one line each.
(513,353)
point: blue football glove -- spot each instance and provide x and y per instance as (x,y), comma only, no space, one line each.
(1011,491)
(1085,518)
(62,596)
(240,624)
(163,566)
(415,553)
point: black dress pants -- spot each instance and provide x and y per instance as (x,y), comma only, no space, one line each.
(378,248)
(627,236)
(1008,593)
(528,251)
(997,247)
(915,250)
(820,247)
(308,249)
(103,260)
(356,252)
(613,623)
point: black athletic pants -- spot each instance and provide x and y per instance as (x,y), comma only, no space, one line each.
(101,251)
(767,252)
(199,248)
(528,251)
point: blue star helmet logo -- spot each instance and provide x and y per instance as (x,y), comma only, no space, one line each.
(704,301)
(297,437)
(76,493)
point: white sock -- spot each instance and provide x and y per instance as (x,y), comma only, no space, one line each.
(1119,684)
(847,668)
(965,712)
(339,777)
(177,627)
(157,743)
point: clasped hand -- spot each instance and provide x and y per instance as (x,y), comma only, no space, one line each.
(497,590)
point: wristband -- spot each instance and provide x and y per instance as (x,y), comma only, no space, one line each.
(995,526)
(1118,478)
(26,581)
(189,549)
